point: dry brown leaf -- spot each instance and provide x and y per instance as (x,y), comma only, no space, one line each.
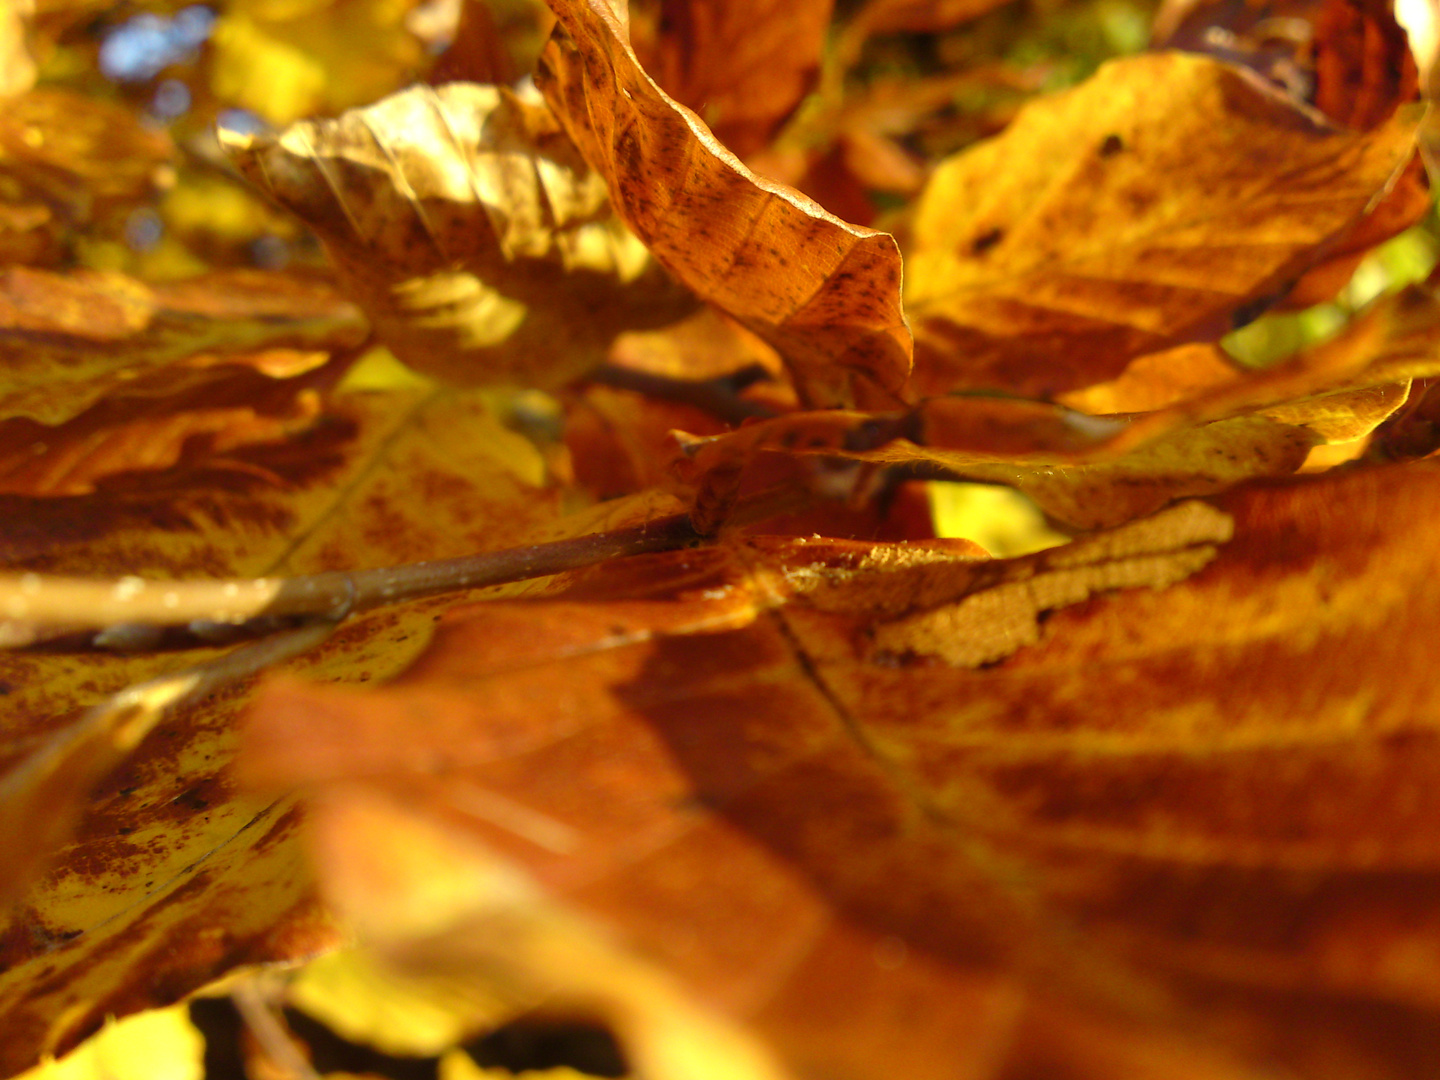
(67,340)
(742,67)
(232,408)
(465,224)
(1183,831)
(1148,206)
(824,293)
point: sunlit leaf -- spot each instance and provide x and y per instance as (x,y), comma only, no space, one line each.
(824,293)
(1147,207)
(479,243)
(288,59)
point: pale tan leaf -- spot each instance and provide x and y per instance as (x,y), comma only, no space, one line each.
(465,224)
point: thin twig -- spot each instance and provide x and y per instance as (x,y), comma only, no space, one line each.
(130,612)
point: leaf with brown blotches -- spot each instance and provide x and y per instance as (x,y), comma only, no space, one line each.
(68,340)
(742,67)
(1151,205)
(1181,823)
(824,293)
(478,242)
(173,877)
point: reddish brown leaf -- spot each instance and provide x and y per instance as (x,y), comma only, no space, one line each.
(742,67)
(822,292)
(1179,817)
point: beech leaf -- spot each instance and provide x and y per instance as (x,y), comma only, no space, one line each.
(464,223)
(1149,206)
(67,340)
(1160,812)
(743,67)
(824,293)
(174,877)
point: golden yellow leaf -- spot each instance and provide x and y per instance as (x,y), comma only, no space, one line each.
(174,878)
(478,242)
(823,292)
(285,59)
(1149,206)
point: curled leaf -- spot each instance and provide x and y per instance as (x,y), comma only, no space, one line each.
(824,293)
(477,241)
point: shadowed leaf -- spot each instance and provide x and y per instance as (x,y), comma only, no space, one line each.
(174,877)
(742,67)
(1177,817)
(67,340)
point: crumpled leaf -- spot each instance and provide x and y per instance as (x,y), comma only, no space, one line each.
(465,224)
(176,878)
(742,67)
(824,293)
(1151,205)
(1185,824)
(67,340)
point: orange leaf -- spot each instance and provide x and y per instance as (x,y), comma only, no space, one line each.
(1151,205)
(824,293)
(1160,824)
(742,67)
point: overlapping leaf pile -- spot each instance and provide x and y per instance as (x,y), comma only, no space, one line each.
(804,791)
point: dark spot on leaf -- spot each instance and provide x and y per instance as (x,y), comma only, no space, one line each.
(1112,145)
(986,240)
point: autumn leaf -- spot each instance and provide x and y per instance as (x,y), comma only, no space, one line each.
(477,241)
(1145,208)
(167,847)
(71,339)
(777,744)
(709,767)
(824,293)
(742,67)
